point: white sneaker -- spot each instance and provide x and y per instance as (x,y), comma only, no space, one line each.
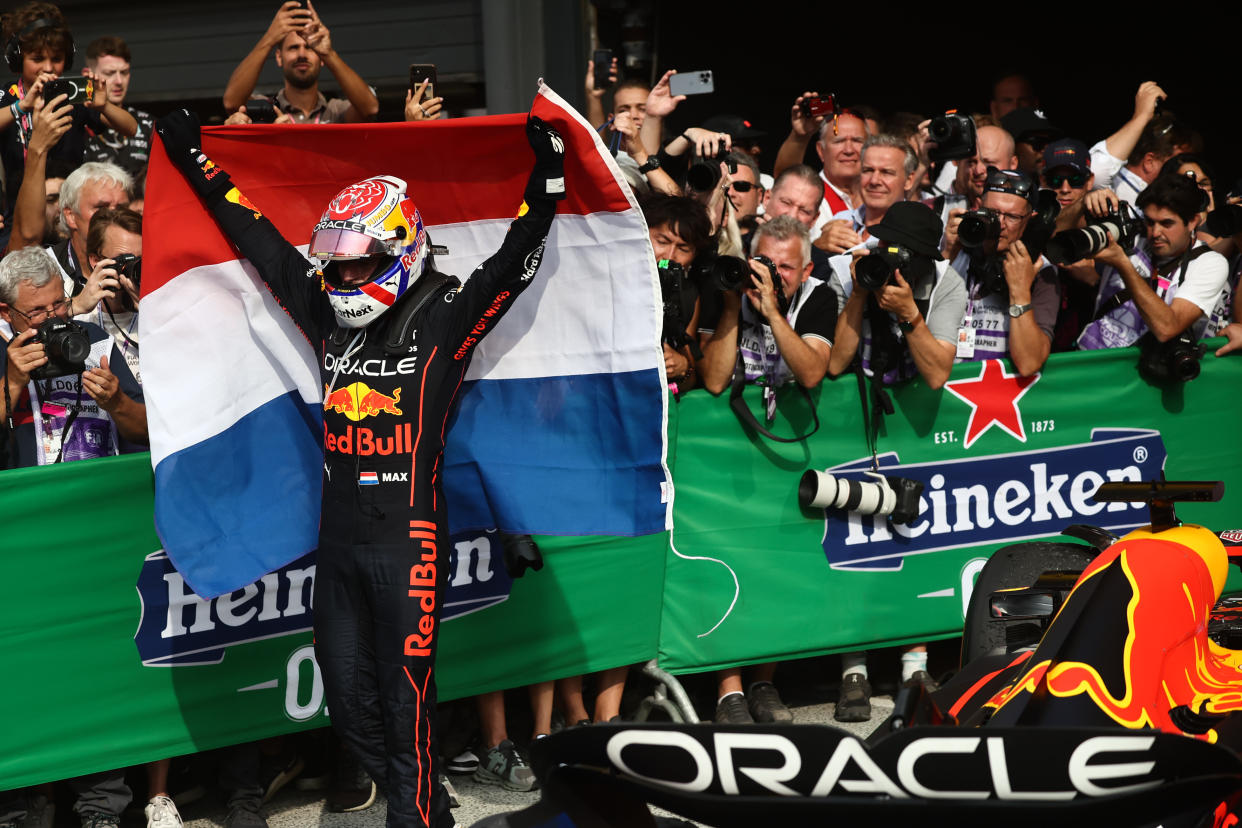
(162,813)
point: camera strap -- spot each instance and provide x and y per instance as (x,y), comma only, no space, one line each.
(737,402)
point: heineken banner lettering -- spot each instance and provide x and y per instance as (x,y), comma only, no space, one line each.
(112,660)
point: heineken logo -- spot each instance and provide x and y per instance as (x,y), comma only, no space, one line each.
(179,628)
(995,499)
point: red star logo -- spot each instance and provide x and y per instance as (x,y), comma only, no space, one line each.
(993,400)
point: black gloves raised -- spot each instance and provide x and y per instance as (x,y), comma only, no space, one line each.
(183,139)
(547,179)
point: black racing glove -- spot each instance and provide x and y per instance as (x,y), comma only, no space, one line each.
(182,137)
(547,179)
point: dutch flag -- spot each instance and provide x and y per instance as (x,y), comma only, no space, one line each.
(562,431)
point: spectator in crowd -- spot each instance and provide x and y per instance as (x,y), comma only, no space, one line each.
(1131,158)
(109,58)
(1031,131)
(1012,299)
(679,229)
(841,137)
(1189,298)
(750,331)
(302,46)
(746,190)
(91,187)
(1010,92)
(41,50)
(51,120)
(743,135)
(53,180)
(994,147)
(889,167)
(1067,172)
(114,234)
(96,407)
(798,193)
(1195,167)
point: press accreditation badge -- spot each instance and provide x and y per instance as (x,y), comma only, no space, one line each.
(966,339)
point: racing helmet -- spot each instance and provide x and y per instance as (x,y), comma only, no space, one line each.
(376,223)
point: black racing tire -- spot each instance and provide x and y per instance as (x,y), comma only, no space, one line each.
(1012,566)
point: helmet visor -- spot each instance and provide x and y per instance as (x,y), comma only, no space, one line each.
(342,243)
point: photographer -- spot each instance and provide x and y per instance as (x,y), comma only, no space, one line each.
(57,408)
(1173,286)
(114,252)
(773,341)
(679,229)
(922,303)
(1012,295)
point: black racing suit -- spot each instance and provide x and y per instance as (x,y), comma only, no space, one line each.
(383,538)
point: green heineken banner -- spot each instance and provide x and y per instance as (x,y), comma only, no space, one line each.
(752,577)
(110,660)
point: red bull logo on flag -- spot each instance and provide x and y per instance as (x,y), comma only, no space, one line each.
(357,401)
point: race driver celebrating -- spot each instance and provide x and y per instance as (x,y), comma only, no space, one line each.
(394,338)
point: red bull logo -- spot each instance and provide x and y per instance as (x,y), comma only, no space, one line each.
(357,401)
(364,442)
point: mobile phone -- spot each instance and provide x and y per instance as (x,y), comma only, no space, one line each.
(698,82)
(80,90)
(603,68)
(420,72)
(819,105)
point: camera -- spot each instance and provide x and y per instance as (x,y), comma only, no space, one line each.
(1169,362)
(678,293)
(67,346)
(978,227)
(812,107)
(261,111)
(79,90)
(954,136)
(704,172)
(711,270)
(876,270)
(127,264)
(897,497)
(782,301)
(1125,225)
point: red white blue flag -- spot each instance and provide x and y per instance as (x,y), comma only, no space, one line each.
(562,429)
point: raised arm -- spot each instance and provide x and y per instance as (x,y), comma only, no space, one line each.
(291,17)
(287,272)
(363,104)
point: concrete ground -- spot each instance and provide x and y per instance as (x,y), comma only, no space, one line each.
(300,809)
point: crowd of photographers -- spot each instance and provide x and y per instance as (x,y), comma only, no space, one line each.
(923,240)
(910,243)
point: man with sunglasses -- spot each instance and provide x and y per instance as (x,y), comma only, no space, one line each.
(1067,172)
(77,416)
(1032,132)
(745,190)
(1173,285)
(1012,302)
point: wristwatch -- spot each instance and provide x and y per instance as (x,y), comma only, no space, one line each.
(652,163)
(1017,310)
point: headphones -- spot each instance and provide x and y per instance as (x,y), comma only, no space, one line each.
(13,49)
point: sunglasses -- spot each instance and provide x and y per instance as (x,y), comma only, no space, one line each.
(1076,180)
(742,186)
(1009,181)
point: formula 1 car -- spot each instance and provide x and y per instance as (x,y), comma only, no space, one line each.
(1098,687)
